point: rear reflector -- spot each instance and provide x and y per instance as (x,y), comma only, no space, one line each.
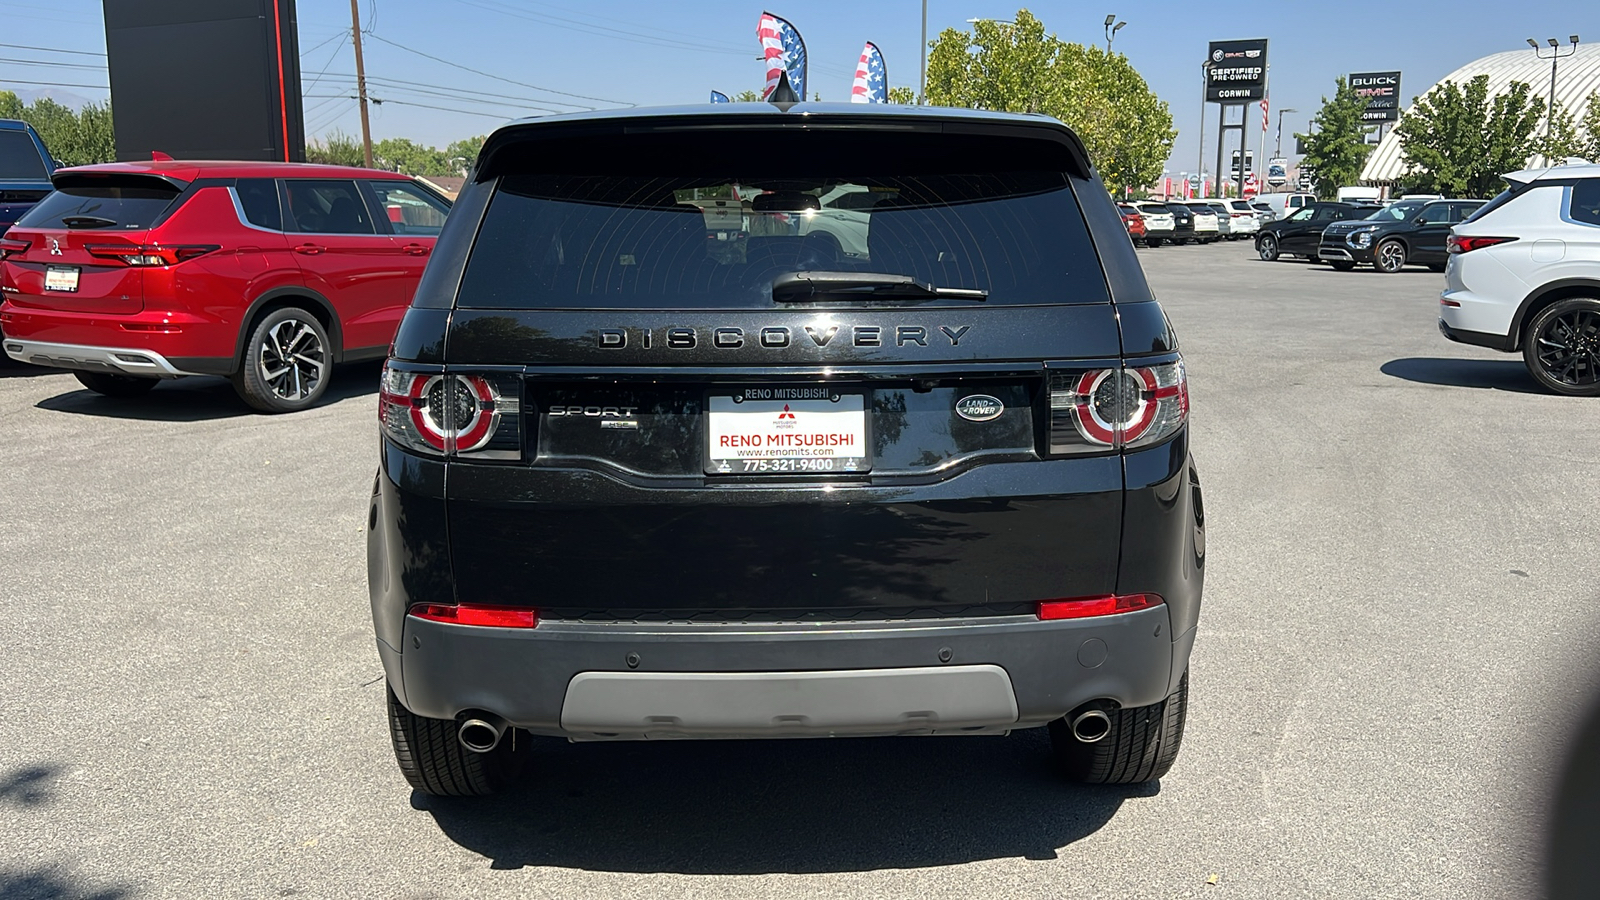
(1105,605)
(149,254)
(478,614)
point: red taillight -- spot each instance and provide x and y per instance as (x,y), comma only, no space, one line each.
(11,247)
(451,414)
(1117,408)
(478,614)
(149,254)
(1104,605)
(1464,244)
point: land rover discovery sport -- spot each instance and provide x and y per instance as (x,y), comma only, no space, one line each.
(646,475)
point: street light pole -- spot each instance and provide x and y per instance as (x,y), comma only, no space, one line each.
(1555,57)
(1200,165)
(1111,30)
(922,81)
(1279,151)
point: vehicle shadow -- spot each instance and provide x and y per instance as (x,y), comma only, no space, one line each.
(10,368)
(1490,374)
(753,807)
(203,398)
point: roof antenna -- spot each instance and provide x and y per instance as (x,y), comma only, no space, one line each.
(783,96)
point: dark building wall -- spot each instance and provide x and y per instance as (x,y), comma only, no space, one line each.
(205,79)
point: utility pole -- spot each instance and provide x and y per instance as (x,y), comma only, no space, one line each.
(922,80)
(361,83)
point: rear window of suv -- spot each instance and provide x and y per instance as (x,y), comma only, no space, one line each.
(719,241)
(19,157)
(111,207)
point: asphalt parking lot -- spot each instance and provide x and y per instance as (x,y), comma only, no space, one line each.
(1398,634)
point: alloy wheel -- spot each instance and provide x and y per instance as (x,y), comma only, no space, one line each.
(1569,348)
(1268,248)
(1391,256)
(292,360)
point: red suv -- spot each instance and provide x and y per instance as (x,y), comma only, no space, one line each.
(268,273)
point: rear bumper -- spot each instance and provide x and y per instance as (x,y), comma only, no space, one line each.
(1477,338)
(111,360)
(607,682)
(148,343)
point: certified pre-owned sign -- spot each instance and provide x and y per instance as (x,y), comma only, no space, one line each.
(1236,71)
(1382,91)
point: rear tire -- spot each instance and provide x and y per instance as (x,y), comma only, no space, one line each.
(1562,347)
(1267,247)
(1436,267)
(1152,243)
(433,761)
(286,362)
(1342,265)
(120,386)
(1141,746)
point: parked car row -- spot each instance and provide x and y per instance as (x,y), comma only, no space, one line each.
(1200,221)
(1347,234)
(265,273)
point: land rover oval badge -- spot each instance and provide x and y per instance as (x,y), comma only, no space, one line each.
(979,408)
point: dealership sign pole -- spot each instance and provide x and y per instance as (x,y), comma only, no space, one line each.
(1382,93)
(1236,77)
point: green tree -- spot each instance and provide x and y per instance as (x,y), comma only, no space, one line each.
(335,149)
(463,154)
(1589,140)
(1336,147)
(1561,140)
(1018,67)
(76,138)
(1458,141)
(903,95)
(746,97)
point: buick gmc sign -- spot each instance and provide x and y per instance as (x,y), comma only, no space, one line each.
(1236,71)
(1382,91)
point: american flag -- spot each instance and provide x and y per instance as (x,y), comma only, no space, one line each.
(872,82)
(783,50)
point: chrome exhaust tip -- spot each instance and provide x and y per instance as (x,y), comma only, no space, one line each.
(480,735)
(1091,726)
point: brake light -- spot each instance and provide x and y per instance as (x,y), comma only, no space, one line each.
(450,414)
(149,254)
(480,614)
(10,247)
(1463,244)
(1104,605)
(1125,408)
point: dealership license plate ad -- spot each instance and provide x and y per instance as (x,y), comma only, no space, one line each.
(786,430)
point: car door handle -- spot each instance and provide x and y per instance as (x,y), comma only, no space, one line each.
(415,249)
(309,249)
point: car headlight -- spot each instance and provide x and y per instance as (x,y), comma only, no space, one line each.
(1361,238)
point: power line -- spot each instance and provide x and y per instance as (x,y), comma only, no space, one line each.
(506,80)
(98,87)
(607,30)
(465,112)
(51,65)
(453,92)
(52,50)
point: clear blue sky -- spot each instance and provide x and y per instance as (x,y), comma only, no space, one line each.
(651,53)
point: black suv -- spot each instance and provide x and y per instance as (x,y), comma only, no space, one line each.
(1300,234)
(1407,231)
(784,420)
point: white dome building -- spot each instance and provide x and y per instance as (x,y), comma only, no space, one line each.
(1576,77)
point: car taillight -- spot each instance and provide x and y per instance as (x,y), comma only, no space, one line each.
(1110,409)
(11,247)
(1462,244)
(480,614)
(149,254)
(1104,605)
(451,414)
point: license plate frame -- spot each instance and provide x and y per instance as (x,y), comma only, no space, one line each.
(62,279)
(822,420)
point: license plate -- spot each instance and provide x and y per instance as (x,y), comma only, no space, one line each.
(786,430)
(61,278)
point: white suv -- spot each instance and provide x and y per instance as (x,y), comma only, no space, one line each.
(1524,274)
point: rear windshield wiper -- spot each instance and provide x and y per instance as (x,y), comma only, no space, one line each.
(87,221)
(800,286)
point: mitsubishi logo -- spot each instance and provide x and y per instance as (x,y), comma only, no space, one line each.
(786,414)
(55,247)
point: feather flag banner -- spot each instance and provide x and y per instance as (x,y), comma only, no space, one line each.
(872,77)
(719,97)
(783,50)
